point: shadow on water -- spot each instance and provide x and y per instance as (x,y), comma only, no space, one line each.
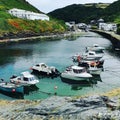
(114,52)
(29,89)
(78,85)
(72,38)
(13,95)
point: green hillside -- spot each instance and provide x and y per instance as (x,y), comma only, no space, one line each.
(10,26)
(78,13)
(88,12)
(20,4)
(112,12)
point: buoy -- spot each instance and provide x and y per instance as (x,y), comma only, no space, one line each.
(55,87)
(13,90)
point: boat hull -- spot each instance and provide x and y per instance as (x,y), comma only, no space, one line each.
(95,72)
(70,81)
(55,74)
(11,88)
(24,83)
(74,77)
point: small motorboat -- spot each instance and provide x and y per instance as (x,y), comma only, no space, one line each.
(43,69)
(75,73)
(25,79)
(92,54)
(91,62)
(10,88)
(94,70)
(93,67)
(95,47)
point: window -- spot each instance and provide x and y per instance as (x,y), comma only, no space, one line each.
(25,79)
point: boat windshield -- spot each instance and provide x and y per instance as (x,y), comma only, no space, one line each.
(91,53)
(99,51)
(78,71)
(25,79)
(31,79)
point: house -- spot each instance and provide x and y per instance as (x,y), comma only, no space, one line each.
(82,26)
(71,25)
(27,14)
(108,27)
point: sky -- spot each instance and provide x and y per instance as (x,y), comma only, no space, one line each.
(47,6)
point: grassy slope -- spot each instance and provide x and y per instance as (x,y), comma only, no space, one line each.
(11,24)
(21,4)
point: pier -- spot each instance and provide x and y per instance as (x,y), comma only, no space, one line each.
(113,37)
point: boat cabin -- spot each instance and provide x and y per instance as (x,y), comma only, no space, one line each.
(77,69)
(27,76)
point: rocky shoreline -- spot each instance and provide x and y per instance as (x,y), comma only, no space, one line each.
(30,37)
(62,108)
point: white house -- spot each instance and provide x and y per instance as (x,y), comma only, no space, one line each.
(28,14)
(108,27)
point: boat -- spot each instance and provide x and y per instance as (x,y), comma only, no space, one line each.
(10,88)
(94,67)
(43,69)
(84,62)
(93,70)
(76,58)
(92,54)
(95,47)
(75,73)
(26,79)
(91,62)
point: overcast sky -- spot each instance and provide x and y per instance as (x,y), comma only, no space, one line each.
(50,5)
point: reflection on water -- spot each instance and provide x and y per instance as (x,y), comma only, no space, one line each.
(9,55)
(83,83)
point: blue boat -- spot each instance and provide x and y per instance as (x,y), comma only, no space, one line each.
(11,88)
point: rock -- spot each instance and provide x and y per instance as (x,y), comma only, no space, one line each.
(64,108)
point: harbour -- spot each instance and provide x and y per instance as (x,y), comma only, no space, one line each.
(19,57)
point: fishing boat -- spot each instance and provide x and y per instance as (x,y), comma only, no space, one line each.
(75,73)
(44,69)
(10,88)
(26,79)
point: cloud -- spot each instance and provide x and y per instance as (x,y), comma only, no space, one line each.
(50,5)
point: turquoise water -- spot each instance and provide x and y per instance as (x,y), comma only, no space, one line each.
(19,57)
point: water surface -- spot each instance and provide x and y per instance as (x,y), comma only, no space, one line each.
(19,57)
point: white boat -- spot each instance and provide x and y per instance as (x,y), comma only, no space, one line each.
(42,68)
(91,62)
(76,73)
(25,79)
(92,54)
(94,67)
(94,70)
(95,47)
